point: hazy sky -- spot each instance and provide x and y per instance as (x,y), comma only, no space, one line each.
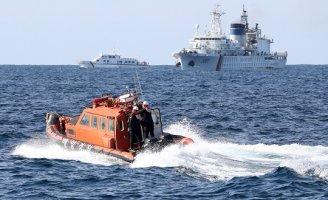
(66,31)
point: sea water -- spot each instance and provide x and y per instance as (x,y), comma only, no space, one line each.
(259,133)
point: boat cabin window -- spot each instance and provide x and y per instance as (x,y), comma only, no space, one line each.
(85,120)
(71,132)
(94,122)
(111,124)
(103,123)
(121,125)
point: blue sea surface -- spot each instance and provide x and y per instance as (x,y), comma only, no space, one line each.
(259,134)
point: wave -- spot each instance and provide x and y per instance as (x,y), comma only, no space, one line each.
(214,160)
(222,160)
(44,148)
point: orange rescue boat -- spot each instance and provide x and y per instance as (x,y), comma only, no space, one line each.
(103,127)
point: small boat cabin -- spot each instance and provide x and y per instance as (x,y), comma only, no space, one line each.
(105,122)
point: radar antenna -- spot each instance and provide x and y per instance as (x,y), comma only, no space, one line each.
(216,29)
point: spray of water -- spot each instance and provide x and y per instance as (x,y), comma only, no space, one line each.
(218,160)
(38,148)
(221,160)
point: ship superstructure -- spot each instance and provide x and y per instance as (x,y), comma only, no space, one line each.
(111,60)
(245,47)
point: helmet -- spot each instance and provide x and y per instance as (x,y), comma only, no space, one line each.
(145,103)
(135,108)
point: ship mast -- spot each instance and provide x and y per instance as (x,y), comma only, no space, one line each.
(216,29)
(244,16)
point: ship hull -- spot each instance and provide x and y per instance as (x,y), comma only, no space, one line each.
(89,64)
(218,62)
(198,61)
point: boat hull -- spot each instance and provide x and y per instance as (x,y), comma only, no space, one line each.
(55,130)
(89,64)
(86,64)
(212,62)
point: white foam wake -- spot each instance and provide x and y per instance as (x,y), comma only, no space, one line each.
(216,160)
(223,160)
(38,148)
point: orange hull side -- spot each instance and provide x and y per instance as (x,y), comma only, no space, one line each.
(53,131)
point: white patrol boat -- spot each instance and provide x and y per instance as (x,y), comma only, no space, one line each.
(245,47)
(112,60)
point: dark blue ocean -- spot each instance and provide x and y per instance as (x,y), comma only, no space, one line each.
(259,134)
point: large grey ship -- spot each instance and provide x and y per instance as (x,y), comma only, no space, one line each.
(245,47)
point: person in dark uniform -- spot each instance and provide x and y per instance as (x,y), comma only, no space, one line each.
(134,128)
(147,120)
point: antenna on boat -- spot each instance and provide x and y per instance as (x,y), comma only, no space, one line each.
(139,86)
(135,84)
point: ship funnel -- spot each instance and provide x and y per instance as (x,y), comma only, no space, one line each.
(238,33)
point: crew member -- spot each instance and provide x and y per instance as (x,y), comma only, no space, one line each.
(147,120)
(134,128)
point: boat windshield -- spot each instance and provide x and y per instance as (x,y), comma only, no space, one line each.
(156,115)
